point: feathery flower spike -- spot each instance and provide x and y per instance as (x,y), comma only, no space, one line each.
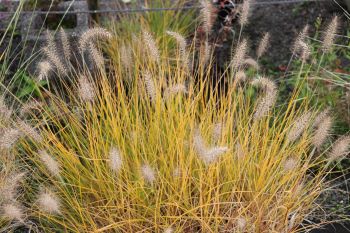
(55,60)
(44,68)
(340,148)
(251,62)
(5,112)
(49,202)
(115,160)
(65,44)
(12,211)
(148,173)
(241,223)
(169,230)
(182,45)
(239,55)
(92,35)
(263,45)
(207,16)
(322,132)
(86,91)
(298,127)
(29,131)
(173,90)
(243,19)
(51,164)
(150,87)
(290,164)
(151,45)
(96,55)
(329,34)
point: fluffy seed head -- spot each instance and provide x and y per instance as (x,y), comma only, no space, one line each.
(239,78)
(65,44)
(329,34)
(169,230)
(322,132)
(290,164)
(150,86)
(86,91)
(55,60)
(265,104)
(243,19)
(205,53)
(29,131)
(92,35)
(239,54)
(303,50)
(29,106)
(5,112)
(173,90)
(251,62)
(49,202)
(263,45)
(12,211)
(320,117)
(44,68)
(9,138)
(50,163)
(300,38)
(148,173)
(340,148)
(298,127)
(96,55)
(151,45)
(241,223)
(182,45)
(115,160)
(207,16)
(10,186)
(265,83)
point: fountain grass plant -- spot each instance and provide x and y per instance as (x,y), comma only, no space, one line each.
(146,147)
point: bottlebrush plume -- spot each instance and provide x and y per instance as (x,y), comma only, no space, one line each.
(239,54)
(173,90)
(50,40)
(251,62)
(148,173)
(44,68)
(12,211)
(65,44)
(207,16)
(150,86)
(290,164)
(151,45)
(169,230)
(182,45)
(340,148)
(205,53)
(30,106)
(29,131)
(298,127)
(321,116)
(96,55)
(239,77)
(49,202)
(11,185)
(265,104)
(92,35)
(263,45)
(50,163)
(245,11)
(5,112)
(86,90)
(241,223)
(55,60)
(267,84)
(322,132)
(300,38)
(304,50)
(115,160)
(329,34)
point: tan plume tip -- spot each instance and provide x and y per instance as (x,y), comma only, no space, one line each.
(85,90)
(213,154)
(65,44)
(176,172)
(92,35)
(322,132)
(5,112)
(148,173)
(11,185)
(265,104)
(217,131)
(150,86)
(182,45)
(267,84)
(298,127)
(263,45)
(49,202)
(126,57)
(50,163)
(29,131)
(151,45)
(96,55)
(245,11)
(251,62)
(239,54)
(290,164)
(241,223)
(304,50)
(50,39)
(321,116)
(173,90)
(340,148)
(240,77)
(115,160)
(292,221)
(205,53)
(329,34)
(30,106)
(55,60)
(44,68)
(12,211)
(301,38)
(207,15)
(169,230)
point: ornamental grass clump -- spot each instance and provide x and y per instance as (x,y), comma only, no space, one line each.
(148,148)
